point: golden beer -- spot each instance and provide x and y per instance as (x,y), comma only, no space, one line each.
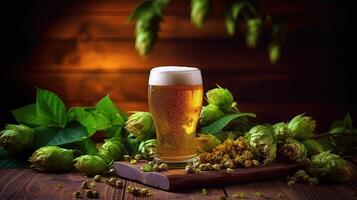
(175,102)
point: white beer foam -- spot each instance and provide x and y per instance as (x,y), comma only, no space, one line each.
(175,75)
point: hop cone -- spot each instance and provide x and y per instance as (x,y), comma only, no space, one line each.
(302,127)
(294,151)
(15,138)
(262,143)
(313,147)
(232,16)
(206,142)
(90,164)
(281,131)
(146,31)
(199,11)
(274,51)
(52,158)
(141,125)
(222,98)
(148,149)
(254,30)
(327,165)
(209,114)
(111,150)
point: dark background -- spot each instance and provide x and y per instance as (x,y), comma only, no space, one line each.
(83,50)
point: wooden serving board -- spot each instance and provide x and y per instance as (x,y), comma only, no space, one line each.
(177,179)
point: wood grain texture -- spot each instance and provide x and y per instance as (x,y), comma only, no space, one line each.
(88,51)
(178,179)
(26,184)
(192,194)
(271,190)
(212,54)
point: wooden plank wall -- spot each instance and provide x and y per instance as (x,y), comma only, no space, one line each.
(89,51)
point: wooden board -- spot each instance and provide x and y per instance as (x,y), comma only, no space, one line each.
(177,179)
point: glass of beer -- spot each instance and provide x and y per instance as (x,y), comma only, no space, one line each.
(175,101)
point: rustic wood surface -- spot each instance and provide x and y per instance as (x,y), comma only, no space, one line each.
(178,179)
(27,184)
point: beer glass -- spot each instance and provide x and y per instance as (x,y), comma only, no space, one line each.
(175,101)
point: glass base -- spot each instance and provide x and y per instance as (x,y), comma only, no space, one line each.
(176,164)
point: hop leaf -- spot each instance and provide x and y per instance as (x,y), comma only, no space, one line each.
(262,143)
(141,125)
(52,158)
(199,11)
(15,138)
(209,114)
(222,98)
(148,149)
(90,164)
(112,150)
(327,165)
(302,127)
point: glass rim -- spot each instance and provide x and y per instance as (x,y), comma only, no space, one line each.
(174,69)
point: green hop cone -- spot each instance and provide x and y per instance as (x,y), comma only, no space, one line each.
(112,150)
(206,142)
(302,127)
(274,51)
(254,30)
(262,143)
(313,147)
(141,125)
(146,33)
(294,151)
(231,17)
(148,149)
(330,166)
(209,114)
(90,164)
(52,158)
(281,131)
(199,11)
(15,138)
(222,98)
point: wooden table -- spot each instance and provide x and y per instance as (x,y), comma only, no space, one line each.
(27,184)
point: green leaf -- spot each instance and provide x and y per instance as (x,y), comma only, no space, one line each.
(27,115)
(13,163)
(115,131)
(102,121)
(222,122)
(107,108)
(84,117)
(342,126)
(44,135)
(87,147)
(3,154)
(51,110)
(73,132)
